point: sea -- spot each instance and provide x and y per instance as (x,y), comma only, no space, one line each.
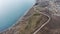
(12,10)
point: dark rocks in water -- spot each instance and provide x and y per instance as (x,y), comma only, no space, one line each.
(36,4)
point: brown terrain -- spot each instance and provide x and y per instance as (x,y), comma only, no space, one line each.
(28,25)
(53,27)
(33,20)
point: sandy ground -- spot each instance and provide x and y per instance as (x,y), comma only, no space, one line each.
(28,25)
(31,24)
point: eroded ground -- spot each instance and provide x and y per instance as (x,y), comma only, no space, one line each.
(33,20)
(28,25)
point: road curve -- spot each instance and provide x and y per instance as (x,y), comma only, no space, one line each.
(44,23)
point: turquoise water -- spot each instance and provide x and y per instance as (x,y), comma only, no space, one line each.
(12,10)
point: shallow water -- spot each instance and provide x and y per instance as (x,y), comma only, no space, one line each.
(12,10)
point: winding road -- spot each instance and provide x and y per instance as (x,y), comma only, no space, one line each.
(54,19)
(44,23)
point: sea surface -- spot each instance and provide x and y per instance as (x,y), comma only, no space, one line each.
(12,10)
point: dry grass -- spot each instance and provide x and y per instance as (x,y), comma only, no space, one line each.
(34,22)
